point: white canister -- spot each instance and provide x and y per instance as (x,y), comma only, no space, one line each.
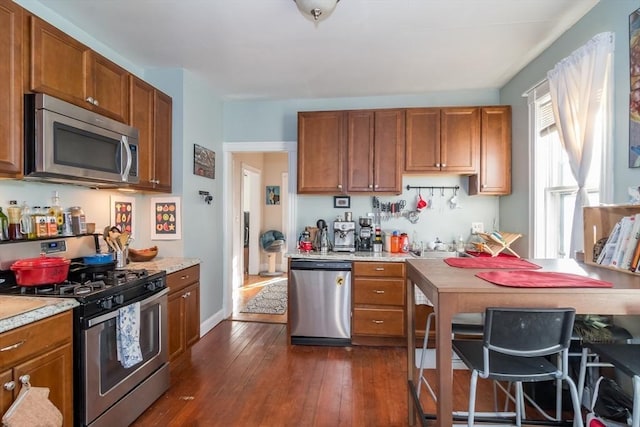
(387,241)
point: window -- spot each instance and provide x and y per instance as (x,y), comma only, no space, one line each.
(554,187)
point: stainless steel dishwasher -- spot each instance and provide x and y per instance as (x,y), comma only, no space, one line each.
(320,302)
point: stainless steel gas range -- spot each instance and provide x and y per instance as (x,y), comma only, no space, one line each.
(108,388)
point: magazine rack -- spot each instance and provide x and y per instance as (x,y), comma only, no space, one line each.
(497,242)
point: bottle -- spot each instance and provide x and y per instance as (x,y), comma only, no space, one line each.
(404,243)
(52,227)
(4,226)
(26,222)
(39,223)
(460,245)
(395,242)
(377,241)
(14,213)
(56,211)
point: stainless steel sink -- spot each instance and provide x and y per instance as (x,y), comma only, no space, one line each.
(440,254)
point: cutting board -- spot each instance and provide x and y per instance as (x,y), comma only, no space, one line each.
(12,306)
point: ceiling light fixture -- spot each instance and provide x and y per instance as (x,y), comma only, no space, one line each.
(316,8)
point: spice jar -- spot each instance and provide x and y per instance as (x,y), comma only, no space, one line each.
(78,220)
(14,213)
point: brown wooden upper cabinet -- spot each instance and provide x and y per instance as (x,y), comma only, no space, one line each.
(375,142)
(495,153)
(150,113)
(442,140)
(321,152)
(11,113)
(65,68)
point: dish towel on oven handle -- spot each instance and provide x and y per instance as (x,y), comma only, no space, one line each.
(128,335)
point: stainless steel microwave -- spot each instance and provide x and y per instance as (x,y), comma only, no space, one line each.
(68,144)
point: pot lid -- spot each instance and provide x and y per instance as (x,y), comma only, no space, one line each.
(42,261)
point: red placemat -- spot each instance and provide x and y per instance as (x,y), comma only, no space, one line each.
(541,279)
(491,262)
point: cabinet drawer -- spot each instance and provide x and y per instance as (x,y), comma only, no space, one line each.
(383,322)
(38,337)
(180,279)
(379,269)
(378,291)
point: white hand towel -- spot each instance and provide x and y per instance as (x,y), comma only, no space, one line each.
(128,335)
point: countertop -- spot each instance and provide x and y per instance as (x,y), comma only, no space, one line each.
(16,311)
(368,256)
(170,264)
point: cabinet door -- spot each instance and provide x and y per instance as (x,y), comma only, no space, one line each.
(460,139)
(11,113)
(388,150)
(6,396)
(360,152)
(57,63)
(162,142)
(192,314)
(422,145)
(141,95)
(321,150)
(175,310)
(53,369)
(495,153)
(108,85)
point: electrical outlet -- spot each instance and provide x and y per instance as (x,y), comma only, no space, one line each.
(477,227)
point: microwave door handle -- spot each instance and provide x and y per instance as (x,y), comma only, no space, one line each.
(125,143)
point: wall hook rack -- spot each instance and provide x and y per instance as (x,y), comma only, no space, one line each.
(206,196)
(441,188)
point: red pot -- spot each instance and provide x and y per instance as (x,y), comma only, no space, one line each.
(40,271)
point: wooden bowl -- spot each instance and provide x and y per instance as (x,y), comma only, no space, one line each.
(142,255)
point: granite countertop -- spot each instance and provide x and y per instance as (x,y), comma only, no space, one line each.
(16,311)
(169,264)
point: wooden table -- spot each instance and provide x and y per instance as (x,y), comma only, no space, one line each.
(457,290)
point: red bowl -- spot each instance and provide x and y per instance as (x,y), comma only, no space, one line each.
(40,271)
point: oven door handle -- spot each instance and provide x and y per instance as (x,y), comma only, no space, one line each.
(115,313)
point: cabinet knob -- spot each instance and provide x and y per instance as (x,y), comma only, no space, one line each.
(370,185)
(11,385)
(376,186)
(90,99)
(339,186)
(186,276)
(437,165)
(95,102)
(444,165)
(24,379)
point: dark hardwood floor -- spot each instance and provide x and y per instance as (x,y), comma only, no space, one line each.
(246,374)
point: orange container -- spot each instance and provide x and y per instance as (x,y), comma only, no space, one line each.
(395,243)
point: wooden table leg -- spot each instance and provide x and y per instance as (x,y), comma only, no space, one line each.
(411,345)
(444,315)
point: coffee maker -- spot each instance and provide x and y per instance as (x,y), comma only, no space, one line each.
(344,236)
(365,235)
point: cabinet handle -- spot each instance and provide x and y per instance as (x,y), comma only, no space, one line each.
(376,186)
(378,322)
(339,186)
(186,276)
(184,296)
(437,165)
(378,291)
(24,379)
(444,165)
(13,346)
(370,185)
(89,100)
(379,268)
(95,102)
(11,385)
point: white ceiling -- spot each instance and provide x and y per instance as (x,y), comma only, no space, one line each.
(265,49)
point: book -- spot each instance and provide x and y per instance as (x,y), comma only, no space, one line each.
(607,251)
(626,223)
(631,244)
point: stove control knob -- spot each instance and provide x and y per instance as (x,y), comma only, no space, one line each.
(151,286)
(106,303)
(118,299)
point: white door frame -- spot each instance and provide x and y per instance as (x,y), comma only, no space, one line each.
(255,218)
(231,237)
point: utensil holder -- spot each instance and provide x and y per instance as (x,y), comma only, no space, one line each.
(121,258)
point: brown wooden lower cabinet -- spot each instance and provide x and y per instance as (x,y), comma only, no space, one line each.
(183,310)
(43,350)
(378,303)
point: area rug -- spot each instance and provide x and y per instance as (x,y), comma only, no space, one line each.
(272,299)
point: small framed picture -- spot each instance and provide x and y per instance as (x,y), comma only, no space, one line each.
(204,162)
(272,195)
(341,202)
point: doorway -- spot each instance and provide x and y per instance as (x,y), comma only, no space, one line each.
(251,220)
(238,195)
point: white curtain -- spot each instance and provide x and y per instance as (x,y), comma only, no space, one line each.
(581,87)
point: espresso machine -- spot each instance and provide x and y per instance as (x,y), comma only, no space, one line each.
(365,235)
(344,236)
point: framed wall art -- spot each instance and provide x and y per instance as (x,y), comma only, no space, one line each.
(123,213)
(204,162)
(341,202)
(634,95)
(272,195)
(166,218)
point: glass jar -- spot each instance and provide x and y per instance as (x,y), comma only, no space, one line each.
(78,221)
(14,213)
